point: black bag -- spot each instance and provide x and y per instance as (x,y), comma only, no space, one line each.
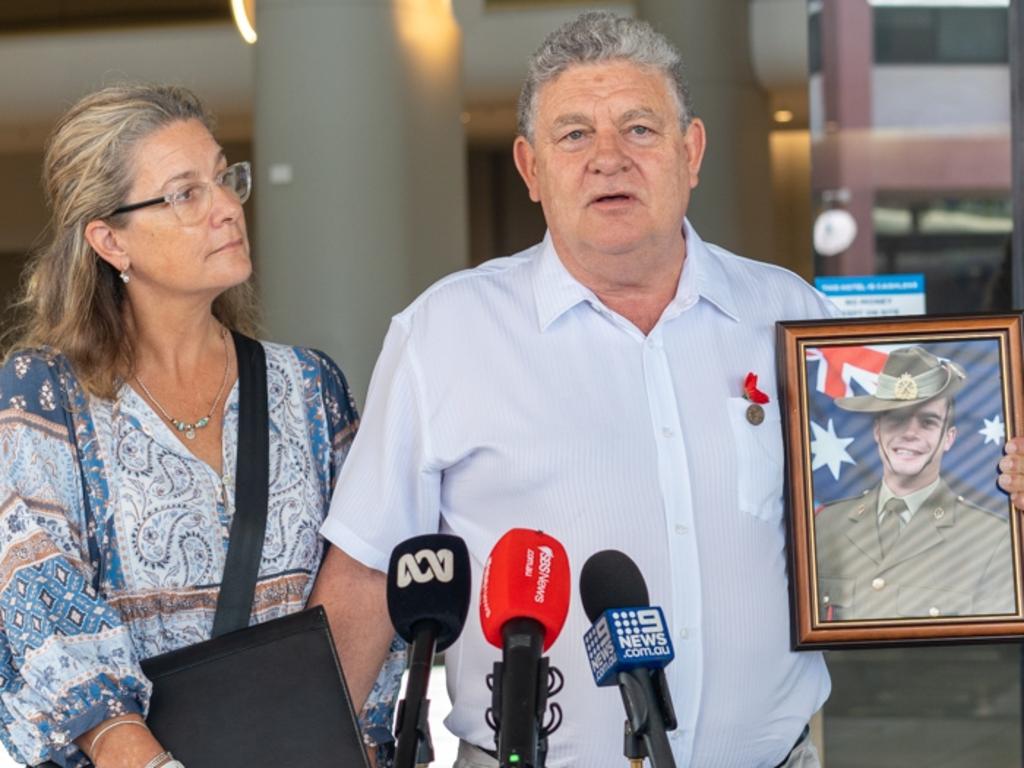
(267,696)
(270,696)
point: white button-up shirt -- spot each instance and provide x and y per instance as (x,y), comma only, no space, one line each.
(511,396)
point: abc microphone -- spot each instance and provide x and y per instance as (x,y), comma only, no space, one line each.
(524,600)
(629,646)
(428,598)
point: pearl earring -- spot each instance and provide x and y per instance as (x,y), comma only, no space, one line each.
(123,274)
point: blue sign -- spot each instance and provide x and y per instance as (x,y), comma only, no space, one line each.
(875,295)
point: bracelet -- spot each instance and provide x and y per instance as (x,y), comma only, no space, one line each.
(107,728)
(163,760)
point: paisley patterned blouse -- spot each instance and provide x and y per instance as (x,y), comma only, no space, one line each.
(113,536)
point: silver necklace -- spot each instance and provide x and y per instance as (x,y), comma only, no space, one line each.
(186,427)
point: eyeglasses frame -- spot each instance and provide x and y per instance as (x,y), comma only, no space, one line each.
(164,198)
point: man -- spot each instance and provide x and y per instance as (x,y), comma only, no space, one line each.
(910,546)
(592,387)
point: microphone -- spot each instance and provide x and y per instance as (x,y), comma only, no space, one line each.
(524,600)
(428,598)
(628,645)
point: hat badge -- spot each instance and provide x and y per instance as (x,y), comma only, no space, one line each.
(905,387)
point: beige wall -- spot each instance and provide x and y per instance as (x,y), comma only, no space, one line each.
(791,201)
(22,216)
(22,219)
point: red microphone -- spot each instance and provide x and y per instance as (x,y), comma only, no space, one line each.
(524,600)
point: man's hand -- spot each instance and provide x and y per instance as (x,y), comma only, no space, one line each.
(1011,471)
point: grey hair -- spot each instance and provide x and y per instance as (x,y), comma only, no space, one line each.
(600,36)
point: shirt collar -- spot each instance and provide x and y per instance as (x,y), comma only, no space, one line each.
(557,291)
(912,500)
(702,278)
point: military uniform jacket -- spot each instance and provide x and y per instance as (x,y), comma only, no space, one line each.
(952,559)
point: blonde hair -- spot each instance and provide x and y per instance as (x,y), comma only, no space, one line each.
(72,300)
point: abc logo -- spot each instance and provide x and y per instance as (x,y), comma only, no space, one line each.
(426,565)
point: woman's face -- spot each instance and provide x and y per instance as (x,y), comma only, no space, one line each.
(170,258)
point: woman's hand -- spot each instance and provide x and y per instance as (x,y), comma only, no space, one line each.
(120,742)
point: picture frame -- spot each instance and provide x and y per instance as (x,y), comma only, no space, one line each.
(893,429)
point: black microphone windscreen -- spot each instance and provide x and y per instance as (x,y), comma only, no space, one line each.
(610,579)
(428,580)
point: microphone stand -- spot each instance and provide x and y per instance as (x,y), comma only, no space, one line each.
(633,747)
(646,730)
(523,745)
(412,730)
(520,744)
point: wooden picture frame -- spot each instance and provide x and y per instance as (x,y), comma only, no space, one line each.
(916,410)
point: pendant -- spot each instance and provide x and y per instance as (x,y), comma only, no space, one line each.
(190,429)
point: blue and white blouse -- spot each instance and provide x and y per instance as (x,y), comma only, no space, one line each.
(113,537)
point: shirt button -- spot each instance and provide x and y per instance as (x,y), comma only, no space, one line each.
(682,530)
(878,584)
(668,432)
(683,633)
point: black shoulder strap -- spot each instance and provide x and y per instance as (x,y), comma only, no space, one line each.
(241,568)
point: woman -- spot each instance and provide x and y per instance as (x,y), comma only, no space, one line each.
(119,425)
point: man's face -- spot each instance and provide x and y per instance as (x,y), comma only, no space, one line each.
(609,162)
(911,442)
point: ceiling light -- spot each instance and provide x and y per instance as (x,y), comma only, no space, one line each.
(244,12)
(783,116)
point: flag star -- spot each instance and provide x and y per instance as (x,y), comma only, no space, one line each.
(994,430)
(829,450)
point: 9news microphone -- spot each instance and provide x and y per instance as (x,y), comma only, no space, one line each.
(524,600)
(628,645)
(428,598)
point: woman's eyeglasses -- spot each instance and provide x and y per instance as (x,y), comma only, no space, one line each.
(192,201)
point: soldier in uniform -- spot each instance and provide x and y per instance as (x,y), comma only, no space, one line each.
(910,546)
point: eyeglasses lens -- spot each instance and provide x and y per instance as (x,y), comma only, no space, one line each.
(238,178)
(193,203)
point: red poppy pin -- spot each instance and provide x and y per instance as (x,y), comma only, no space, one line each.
(751,392)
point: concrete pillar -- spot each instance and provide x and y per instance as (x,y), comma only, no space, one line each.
(732,205)
(360,164)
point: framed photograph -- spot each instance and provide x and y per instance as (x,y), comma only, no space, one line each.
(898,532)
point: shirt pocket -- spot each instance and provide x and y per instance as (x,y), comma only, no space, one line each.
(836,598)
(931,603)
(759,459)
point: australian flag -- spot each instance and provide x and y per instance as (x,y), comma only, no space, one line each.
(844,455)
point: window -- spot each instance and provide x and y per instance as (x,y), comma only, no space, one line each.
(916,35)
